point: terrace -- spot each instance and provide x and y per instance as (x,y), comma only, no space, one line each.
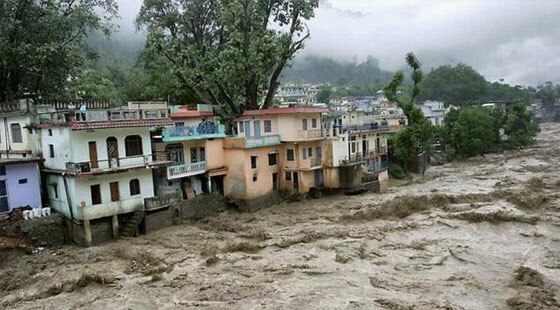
(182,170)
(202,131)
(363,157)
(104,118)
(117,164)
(252,142)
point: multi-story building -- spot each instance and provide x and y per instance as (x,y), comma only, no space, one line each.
(275,149)
(98,163)
(356,151)
(195,146)
(434,111)
(20,181)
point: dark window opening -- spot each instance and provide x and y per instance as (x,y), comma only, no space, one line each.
(16,133)
(253,162)
(133,146)
(134,187)
(22,181)
(267,126)
(290,155)
(272,159)
(96,194)
(51,151)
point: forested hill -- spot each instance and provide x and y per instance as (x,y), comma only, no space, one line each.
(123,47)
(320,69)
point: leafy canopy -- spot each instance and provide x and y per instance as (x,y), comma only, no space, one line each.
(230,52)
(42,42)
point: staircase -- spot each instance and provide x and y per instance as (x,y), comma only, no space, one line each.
(130,229)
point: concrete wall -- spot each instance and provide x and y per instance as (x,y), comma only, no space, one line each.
(20,195)
(239,183)
(59,137)
(292,125)
(29,139)
(215,154)
(80,194)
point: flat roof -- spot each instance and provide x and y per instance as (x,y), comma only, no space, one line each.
(14,161)
(280,111)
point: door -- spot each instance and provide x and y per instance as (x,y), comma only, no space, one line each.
(319,178)
(115,196)
(365,147)
(378,146)
(4,203)
(113,152)
(296,181)
(275,181)
(257,128)
(93,154)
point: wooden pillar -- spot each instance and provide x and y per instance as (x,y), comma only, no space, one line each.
(87,232)
(115,226)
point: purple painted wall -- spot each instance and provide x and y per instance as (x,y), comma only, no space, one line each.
(20,195)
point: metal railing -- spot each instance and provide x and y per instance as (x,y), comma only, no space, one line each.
(364,127)
(362,157)
(71,116)
(202,131)
(112,164)
(181,170)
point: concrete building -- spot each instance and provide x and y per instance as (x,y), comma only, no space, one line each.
(19,184)
(195,146)
(98,163)
(434,111)
(275,149)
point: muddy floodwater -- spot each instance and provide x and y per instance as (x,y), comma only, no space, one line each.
(477,234)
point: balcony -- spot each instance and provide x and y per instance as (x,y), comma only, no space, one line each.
(364,128)
(183,170)
(377,165)
(314,134)
(104,118)
(116,164)
(252,142)
(202,131)
(363,157)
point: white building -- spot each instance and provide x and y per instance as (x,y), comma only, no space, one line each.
(98,163)
(434,111)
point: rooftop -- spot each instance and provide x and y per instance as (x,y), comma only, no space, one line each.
(282,111)
(183,113)
(15,161)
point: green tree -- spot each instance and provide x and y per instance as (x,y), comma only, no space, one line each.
(472,131)
(519,127)
(417,137)
(42,42)
(324,94)
(228,52)
(454,85)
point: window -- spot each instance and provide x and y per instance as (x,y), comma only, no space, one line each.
(253,162)
(241,127)
(353,145)
(134,187)
(133,145)
(255,178)
(194,155)
(290,155)
(267,126)
(96,194)
(16,133)
(304,124)
(304,153)
(314,123)
(50,132)
(51,150)
(55,190)
(310,152)
(202,154)
(114,186)
(22,181)
(4,205)
(288,176)
(179,124)
(2,170)
(272,159)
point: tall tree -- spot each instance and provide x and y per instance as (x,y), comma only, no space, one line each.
(416,138)
(42,42)
(230,52)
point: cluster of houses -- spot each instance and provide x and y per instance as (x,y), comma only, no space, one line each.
(98,163)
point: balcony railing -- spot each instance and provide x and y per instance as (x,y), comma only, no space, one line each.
(252,142)
(377,165)
(363,157)
(310,134)
(364,127)
(315,162)
(115,164)
(183,170)
(102,115)
(202,131)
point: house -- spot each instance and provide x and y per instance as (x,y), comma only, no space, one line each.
(434,111)
(98,164)
(20,180)
(275,149)
(356,151)
(194,145)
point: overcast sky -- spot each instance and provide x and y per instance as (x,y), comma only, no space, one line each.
(518,41)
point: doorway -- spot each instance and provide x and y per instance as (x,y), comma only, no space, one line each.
(296,181)
(113,152)
(275,181)
(93,155)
